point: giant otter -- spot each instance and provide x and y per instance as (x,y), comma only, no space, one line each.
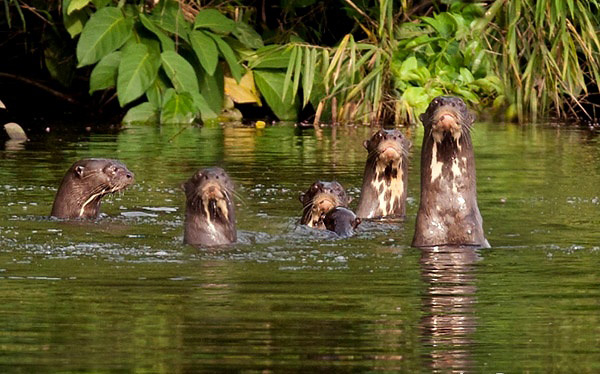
(342,221)
(319,199)
(448,212)
(383,191)
(209,209)
(85,183)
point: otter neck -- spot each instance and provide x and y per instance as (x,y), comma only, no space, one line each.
(385,180)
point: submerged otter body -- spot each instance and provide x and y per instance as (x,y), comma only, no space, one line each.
(448,212)
(319,199)
(383,192)
(342,221)
(85,183)
(209,213)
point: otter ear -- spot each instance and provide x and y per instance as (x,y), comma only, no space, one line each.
(79,171)
(356,222)
(301,197)
(422,118)
(366,144)
(472,117)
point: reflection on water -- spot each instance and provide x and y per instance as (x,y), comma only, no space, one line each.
(124,294)
(449,320)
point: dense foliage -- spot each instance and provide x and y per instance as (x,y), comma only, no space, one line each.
(178,61)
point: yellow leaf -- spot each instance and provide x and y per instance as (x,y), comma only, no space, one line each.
(243,93)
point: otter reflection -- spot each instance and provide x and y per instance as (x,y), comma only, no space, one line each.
(449,321)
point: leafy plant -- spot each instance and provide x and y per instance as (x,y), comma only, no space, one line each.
(169,62)
(440,56)
(548,54)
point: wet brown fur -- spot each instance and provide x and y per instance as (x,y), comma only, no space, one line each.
(85,184)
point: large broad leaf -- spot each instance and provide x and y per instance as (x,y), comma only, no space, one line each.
(206,112)
(248,36)
(180,72)
(211,88)
(167,43)
(104,74)
(178,108)
(143,113)
(214,20)
(137,70)
(227,52)
(105,31)
(206,50)
(167,16)
(156,91)
(270,85)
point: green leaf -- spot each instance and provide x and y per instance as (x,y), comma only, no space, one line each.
(247,35)
(73,22)
(180,72)
(105,31)
(270,85)
(75,5)
(271,57)
(166,42)
(206,50)
(155,92)
(104,74)
(168,17)
(178,108)
(227,52)
(214,20)
(206,112)
(143,113)
(212,88)
(137,71)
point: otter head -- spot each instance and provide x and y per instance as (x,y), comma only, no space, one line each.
(447,116)
(342,221)
(209,193)
(84,185)
(319,199)
(387,146)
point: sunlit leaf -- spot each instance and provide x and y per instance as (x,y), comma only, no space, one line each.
(75,5)
(166,42)
(142,113)
(244,92)
(206,50)
(104,74)
(247,35)
(180,72)
(212,19)
(105,31)
(227,52)
(178,108)
(137,70)
(271,57)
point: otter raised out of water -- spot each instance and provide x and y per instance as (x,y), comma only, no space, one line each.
(342,221)
(319,199)
(383,192)
(209,211)
(85,183)
(448,212)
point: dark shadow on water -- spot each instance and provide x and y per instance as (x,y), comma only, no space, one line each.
(449,323)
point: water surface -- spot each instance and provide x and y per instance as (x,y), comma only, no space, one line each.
(123,294)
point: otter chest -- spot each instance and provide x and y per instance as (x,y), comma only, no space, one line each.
(389,187)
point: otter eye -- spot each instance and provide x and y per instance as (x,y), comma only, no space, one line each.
(115,169)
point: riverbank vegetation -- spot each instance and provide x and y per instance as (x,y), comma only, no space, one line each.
(183,61)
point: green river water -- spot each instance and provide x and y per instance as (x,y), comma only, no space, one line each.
(124,295)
